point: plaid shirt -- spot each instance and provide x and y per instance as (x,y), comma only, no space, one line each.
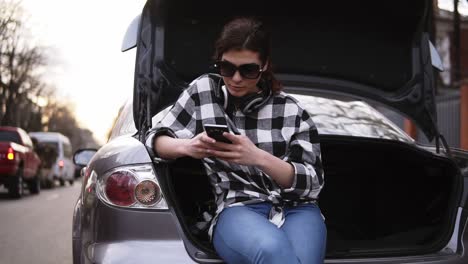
(281,127)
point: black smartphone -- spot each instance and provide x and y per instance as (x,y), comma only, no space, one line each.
(216,132)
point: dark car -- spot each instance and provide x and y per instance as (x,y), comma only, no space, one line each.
(387,199)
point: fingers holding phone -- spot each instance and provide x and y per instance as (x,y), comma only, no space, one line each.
(199,146)
(239,149)
(215,132)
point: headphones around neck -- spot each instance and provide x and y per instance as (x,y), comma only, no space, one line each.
(248,103)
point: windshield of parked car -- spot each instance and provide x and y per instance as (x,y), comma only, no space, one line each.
(47,151)
(10,136)
(49,145)
(350,118)
(123,124)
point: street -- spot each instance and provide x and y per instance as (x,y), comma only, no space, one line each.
(37,228)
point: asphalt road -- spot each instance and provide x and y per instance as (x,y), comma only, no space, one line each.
(37,228)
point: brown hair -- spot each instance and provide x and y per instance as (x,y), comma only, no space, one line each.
(251,34)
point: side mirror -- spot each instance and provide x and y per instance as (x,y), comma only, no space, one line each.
(83,156)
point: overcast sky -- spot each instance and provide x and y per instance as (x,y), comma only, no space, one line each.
(85,38)
(90,70)
(448,4)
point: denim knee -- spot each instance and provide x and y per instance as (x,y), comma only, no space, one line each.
(271,249)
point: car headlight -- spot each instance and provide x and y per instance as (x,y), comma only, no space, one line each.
(131,187)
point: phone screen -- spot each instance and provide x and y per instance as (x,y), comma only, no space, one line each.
(216,132)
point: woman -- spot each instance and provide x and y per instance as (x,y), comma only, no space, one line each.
(266,182)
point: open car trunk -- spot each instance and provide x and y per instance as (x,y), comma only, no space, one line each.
(381,198)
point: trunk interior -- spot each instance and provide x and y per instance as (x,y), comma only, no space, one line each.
(380,198)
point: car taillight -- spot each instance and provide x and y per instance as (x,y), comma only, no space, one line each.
(120,188)
(134,186)
(147,192)
(11,154)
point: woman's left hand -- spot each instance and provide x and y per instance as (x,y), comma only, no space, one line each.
(242,151)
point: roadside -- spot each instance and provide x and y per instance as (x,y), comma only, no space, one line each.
(37,228)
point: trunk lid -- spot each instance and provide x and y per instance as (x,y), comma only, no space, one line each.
(376,50)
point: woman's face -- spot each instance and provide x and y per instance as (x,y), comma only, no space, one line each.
(237,85)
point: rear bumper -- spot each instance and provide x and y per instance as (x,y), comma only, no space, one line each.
(108,234)
(8,170)
(138,251)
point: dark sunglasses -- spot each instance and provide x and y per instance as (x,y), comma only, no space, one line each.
(248,71)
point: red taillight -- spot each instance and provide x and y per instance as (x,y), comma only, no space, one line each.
(147,192)
(120,188)
(11,154)
(61,163)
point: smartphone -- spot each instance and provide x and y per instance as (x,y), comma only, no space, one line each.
(216,132)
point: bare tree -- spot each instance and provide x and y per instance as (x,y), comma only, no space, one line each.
(21,83)
(59,117)
(20,80)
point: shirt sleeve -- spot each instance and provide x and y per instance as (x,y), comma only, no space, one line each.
(305,156)
(180,121)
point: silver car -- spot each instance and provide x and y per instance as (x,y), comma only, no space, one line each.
(387,199)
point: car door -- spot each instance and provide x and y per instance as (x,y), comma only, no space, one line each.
(30,157)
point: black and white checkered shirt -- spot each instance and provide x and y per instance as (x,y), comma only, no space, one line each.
(281,127)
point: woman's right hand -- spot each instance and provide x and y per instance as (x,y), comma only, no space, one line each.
(198,147)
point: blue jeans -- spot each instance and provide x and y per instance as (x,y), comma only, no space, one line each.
(243,234)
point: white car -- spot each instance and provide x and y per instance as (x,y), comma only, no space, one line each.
(61,166)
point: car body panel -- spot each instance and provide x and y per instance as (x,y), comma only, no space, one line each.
(168,251)
(24,155)
(9,167)
(126,230)
(120,151)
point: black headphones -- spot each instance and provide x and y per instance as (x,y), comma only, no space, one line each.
(248,103)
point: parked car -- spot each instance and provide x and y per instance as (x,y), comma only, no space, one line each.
(19,163)
(58,153)
(387,198)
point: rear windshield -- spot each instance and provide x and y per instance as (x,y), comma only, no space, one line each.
(10,136)
(52,145)
(47,151)
(350,118)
